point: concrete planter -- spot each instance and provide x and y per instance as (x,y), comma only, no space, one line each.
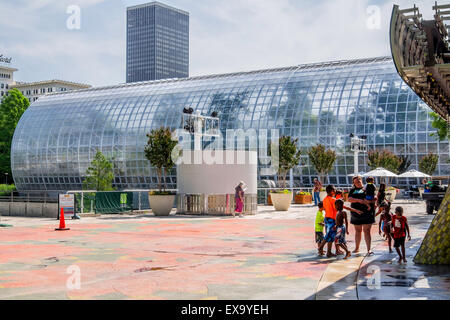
(323,195)
(391,195)
(161,205)
(281,201)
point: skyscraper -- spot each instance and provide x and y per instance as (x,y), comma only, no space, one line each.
(157,42)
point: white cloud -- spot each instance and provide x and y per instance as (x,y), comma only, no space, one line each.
(226,35)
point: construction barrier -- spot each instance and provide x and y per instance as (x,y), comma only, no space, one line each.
(113,202)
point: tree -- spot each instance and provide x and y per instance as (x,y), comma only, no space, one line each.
(289,156)
(442,127)
(100,175)
(384,159)
(429,163)
(405,163)
(322,159)
(12,108)
(159,152)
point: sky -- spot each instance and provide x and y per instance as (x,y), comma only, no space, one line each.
(225,35)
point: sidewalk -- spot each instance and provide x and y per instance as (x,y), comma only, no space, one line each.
(381,277)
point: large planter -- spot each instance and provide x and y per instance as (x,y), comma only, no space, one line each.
(391,195)
(281,201)
(303,199)
(345,195)
(269,200)
(161,205)
(323,195)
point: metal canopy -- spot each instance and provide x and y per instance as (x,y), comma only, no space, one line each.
(421,53)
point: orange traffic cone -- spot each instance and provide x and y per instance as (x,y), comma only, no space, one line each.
(62,222)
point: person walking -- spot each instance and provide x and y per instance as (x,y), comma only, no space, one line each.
(400,230)
(384,226)
(317,188)
(239,196)
(362,222)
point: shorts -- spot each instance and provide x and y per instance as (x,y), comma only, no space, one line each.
(370,198)
(331,233)
(319,237)
(368,217)
(399,242)
(340,235)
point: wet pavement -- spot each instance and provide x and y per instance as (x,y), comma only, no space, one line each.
(271,255)
(382,277)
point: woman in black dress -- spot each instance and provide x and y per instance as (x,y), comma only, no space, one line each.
(362,222)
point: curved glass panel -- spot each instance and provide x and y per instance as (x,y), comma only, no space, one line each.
(59,135)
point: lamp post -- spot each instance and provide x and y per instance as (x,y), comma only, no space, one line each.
(359,144)
(6,174)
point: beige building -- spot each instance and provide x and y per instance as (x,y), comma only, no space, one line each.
(6,79)
(34,90)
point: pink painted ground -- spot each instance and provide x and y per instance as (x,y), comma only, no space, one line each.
(162,259)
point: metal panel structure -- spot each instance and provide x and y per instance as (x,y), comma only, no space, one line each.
(421,54)
(59,135)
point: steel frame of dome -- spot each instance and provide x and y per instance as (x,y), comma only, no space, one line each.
(59,135)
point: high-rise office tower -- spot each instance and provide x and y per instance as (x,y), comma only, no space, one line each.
(157,42)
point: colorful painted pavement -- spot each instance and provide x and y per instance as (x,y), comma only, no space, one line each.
(161,259)
(267,256)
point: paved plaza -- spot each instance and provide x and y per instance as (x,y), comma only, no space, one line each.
(271,255)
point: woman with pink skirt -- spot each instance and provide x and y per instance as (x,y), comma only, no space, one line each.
(239,196)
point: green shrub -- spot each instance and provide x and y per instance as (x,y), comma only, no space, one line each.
(281,191)
(162,193)
(7,189)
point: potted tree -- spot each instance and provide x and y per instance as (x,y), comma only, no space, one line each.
(159,152)
(429,163)
(387,160)
(288,157)
(323,161)
(391,193)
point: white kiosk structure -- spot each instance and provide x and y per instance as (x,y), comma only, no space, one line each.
(207,179)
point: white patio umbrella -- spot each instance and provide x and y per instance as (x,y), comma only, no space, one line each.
(414,174)
(380,173)
(358,174)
